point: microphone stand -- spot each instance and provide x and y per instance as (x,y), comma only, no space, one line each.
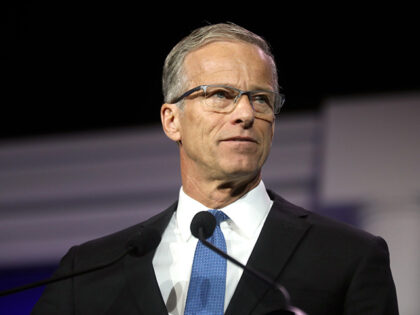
(52,280)
(142,243)
(251,271)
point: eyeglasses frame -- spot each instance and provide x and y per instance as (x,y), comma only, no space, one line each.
(277,106)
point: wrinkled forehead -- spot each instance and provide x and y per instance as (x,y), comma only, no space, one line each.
(224,61)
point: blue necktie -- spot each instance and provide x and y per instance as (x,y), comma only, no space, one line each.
(206,292)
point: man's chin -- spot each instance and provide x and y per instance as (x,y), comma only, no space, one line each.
(242,171)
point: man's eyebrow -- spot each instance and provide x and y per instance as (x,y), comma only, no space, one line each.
(267,88)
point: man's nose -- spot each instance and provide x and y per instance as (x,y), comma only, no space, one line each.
(244,111)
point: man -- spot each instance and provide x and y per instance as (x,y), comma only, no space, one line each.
(221,97)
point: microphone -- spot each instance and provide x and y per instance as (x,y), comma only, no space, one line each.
(139,245)
(202,227)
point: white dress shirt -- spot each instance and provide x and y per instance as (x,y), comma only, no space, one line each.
(174,255)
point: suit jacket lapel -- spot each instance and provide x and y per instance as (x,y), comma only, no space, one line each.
(282,231)
(140,274)
(284,228)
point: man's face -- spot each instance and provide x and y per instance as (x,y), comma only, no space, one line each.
(222,146)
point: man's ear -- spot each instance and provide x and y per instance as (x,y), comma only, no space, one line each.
(170,115)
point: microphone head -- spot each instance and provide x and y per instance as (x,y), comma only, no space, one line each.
(204,220)
(144,242)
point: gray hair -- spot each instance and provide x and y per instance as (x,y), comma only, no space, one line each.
(174,79)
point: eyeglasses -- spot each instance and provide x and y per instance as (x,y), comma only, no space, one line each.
(223,99)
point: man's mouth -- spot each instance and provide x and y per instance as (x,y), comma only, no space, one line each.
(241,139)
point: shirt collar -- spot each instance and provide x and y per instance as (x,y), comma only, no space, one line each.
(246,214)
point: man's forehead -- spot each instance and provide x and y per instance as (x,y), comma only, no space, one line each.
(221,58)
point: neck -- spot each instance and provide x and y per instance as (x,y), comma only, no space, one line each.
(216,194)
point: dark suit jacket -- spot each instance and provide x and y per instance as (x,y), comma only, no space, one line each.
(326,266)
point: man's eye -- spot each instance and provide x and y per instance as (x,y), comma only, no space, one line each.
(221,94)
(261,98)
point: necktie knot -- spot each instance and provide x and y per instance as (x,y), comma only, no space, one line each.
(219,215)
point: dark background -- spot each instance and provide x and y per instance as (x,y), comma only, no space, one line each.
(71,67)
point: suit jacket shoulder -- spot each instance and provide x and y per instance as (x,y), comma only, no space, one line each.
(99,250)
(323,225)
(327,266)
(117,289)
